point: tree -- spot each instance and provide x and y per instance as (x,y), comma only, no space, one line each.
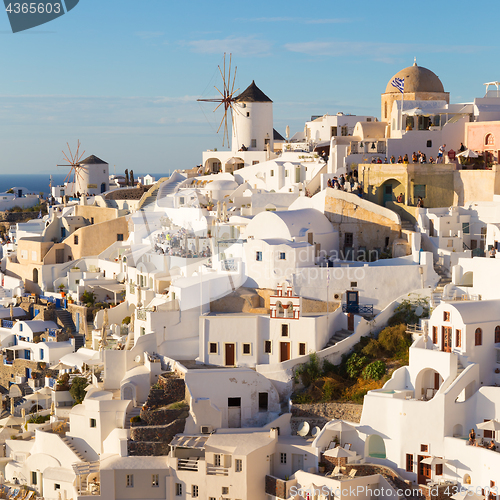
(77,389)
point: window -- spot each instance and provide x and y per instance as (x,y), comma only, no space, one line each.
(409,462)
(258,256)
(344,130)
(57,486)
(429,144)
(213,348)
(178,489)
(446,316)
(434,334)
(253,143)
(424,448)
(479,337)
(497,334)
(354,284)
(217,460)
(238,463)
(267,346)
(92,220)
(41,353)
(247,349)
(119,237)
(155,480)
(419,190)
(255,162)
(458,338)
(143,330)
(282,256)
(489,140)
(283,458)
(302,349)
(194,490)
(93,422)
(248,114)
(284,330)
(225,490)
(129,480)
(286,173)
(466,227)
(348,239)
(75,239)
(272,173)
(33,477)
(439,469)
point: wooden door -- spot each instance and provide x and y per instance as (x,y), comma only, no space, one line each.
(350,322)
(424,470)
(229,358)
(446,339)
(436,381)
(284,351)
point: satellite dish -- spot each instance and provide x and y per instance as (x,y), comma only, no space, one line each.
(137,359)
(315,431)
(303,429)
(419,311)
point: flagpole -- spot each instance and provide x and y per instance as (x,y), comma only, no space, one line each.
(402,105)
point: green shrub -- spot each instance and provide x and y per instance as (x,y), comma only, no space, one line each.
(310,371)
(135,420)
(77,389)
(38,419)
(373,349)
(126,320)
(88,298)
(395,340)
(405,312)
(355,365)
(329,368)
(374,371)
(302,398)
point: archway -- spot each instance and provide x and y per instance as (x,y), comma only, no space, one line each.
(427,384)
(35,275)
(458,430)
(128,393)
(390,190)
(467,279)
(212,166)
(375,446)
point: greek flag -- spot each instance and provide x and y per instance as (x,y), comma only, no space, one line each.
(399,83)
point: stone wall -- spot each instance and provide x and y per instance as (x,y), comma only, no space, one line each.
(81,327)
(173,386)
(163,415)
(18,367)
(145,448)
(159,433)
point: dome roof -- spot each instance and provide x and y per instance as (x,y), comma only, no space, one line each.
(417,79)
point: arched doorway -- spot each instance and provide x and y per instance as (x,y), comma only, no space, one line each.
(427,383)
(375,446)
(212,166)
(35,275)
(128,393)
(390,190)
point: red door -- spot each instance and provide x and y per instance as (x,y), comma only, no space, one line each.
(350,322)
(284,351)
(229,354)
(424,470)
(446,339)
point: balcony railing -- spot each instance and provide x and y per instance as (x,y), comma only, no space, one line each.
(7,323)
(187,464)
(213,470)
(415,329)
(358,309)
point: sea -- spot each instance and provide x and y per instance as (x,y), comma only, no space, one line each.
(39,183)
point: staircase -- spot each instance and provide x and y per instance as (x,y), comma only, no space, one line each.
(66,319)
(407,225)
(444,279)
(134,412)
(69,444)
(149,197)
(79,341)
(338,336)
(460,369)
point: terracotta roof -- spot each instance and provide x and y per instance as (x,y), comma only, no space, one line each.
(252,94)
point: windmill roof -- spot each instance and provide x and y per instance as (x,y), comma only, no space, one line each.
(252,94)
(92,160)
(277,136)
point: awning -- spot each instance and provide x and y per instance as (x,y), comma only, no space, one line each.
(112,287)
(194,442)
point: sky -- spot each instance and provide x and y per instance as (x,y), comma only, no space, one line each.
(124,76)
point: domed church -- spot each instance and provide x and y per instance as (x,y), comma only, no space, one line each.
(421,84)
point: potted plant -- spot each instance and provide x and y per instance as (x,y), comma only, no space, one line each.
(321,466)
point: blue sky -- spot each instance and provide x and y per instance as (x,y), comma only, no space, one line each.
(123,76)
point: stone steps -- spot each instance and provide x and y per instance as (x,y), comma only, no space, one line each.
(69,444)
(338,336)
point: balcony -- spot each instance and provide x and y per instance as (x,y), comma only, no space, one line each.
(362,309)
(188,464)
(214,470)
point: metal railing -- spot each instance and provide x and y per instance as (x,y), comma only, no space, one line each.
(416,329)
(358,308)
